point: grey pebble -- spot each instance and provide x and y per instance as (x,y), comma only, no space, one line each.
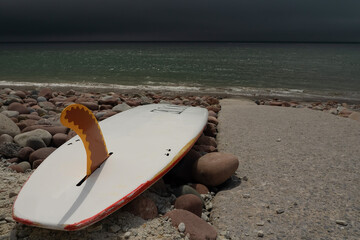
(260,223)
(280,210)
(127,235)
(204,217)
(260,234)
(114,228)
(246,195)
(181,227)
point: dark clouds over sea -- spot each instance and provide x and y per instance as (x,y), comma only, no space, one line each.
(180,20)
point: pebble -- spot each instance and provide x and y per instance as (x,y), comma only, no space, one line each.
(260,234)
(260,223)
(280,210)
(189,202)
(114,228)
(127,235)
(246,195)
(181,227)
(341,222)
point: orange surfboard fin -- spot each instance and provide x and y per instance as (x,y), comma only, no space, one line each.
(80,119)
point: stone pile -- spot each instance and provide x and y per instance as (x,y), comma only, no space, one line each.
(30,131)
(346,110)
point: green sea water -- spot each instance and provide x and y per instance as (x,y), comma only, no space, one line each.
(323,69)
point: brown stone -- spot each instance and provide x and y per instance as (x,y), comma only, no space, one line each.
(20,94)
(21,167)
(90,105)
(212,101)
(46,92)
(28,116)
(212,113)
(29,122)
(142,207)
(214,108)
(213,120)
(205,148)
(106,107)
(51,129)
(355,116)
(210,130)
(276,103)
(133,102)
(24,153)
(18,107)
(59,139)
(189,202)
(21,126)
(206,140)
(108,101)
(36,163)
(215,168)
(197,228)
(200,188)
(345,113)
(41,153)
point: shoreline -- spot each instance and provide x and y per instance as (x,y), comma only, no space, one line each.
(164,90)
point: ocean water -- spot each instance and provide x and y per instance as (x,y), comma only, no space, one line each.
(330,70)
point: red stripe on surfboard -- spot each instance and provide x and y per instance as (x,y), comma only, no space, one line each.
(129,197)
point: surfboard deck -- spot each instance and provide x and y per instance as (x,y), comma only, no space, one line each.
(145,142)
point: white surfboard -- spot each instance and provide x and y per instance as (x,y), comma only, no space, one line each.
(144,143)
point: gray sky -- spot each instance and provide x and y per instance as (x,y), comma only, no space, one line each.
(180,20)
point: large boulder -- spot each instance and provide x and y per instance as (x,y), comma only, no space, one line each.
(196,227)
(215,168)
(7,126)
(22,138)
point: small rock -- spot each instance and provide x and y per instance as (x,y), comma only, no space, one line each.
(20,108)
(280,210)
(127,235)
(278,140)
(12,194)
(6,138)
(10,114)
(195,226)
(41,153)
(24,153)
(341,222)
(260,223)
(143,207)
(204,217)
(206,140)
(95,228)
(181,227)
(114,228)
(121,107)
(46,92)
(210,130)
(35,143)
(186,189)
(21,167)
(189,202)
(200,188)
(59,139)
(37,163)
(41,99)
(260,234)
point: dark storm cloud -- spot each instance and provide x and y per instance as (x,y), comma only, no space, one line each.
(205,20)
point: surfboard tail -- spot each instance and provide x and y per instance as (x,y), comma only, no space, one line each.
(80,119)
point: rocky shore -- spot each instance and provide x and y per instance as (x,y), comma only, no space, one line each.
(179,206)
(176,207)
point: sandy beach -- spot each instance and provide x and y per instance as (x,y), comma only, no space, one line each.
(297,175)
